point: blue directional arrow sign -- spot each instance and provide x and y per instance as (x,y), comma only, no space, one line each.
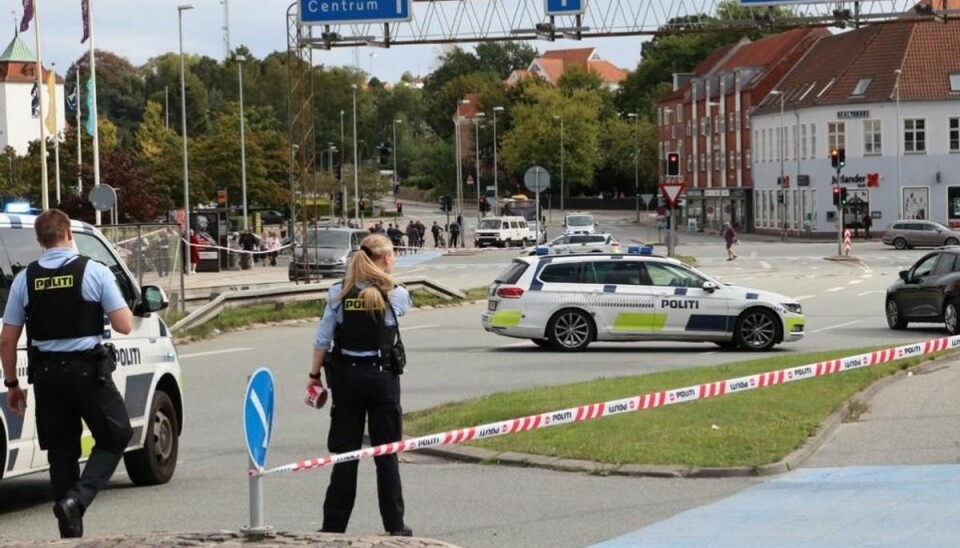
(258,415)
(565,7)
(343,12)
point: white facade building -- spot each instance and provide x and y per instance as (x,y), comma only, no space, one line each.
(893,107)
(18,75)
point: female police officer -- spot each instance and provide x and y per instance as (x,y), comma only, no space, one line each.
(360,323)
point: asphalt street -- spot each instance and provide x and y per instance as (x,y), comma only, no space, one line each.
(911,424)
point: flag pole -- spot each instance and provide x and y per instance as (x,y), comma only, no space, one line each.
(93,110)
(44,182)
(79,140)
(56,132)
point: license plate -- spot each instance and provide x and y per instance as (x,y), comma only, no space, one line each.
(492,306)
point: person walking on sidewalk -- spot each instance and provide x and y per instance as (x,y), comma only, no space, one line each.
(867,224)
(730,238)
(360,331)
(436,230)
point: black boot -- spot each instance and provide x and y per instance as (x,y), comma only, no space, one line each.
(69,514)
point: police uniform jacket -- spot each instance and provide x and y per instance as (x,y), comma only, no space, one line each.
(400,303)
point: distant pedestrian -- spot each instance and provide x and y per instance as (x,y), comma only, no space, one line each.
(730,238)
(421,233)
(454,234)
(461,231)
(867,224)
(436,230)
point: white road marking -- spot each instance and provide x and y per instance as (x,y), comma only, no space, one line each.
(855,282)
(834,327)
(835,289)
(765,265)
(865,293)
(214,352)
(419,327)
(803,297)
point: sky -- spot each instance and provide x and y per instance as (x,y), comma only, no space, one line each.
(141,29)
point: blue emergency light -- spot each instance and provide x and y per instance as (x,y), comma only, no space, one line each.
(640,250)
(543,250)
(17,207)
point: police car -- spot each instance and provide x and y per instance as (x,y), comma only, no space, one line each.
(568,301)
(147,375)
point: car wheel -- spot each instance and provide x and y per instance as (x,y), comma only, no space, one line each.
(3,451)
(894,319)
(899,243)
(757,329)
(570,330)
(950,318)
(542,343)
(951,241)
(156,462)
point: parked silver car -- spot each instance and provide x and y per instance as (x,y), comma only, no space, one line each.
(325,252)
(579,243)
(907,234)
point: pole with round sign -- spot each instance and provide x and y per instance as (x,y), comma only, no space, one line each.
(257,430)
(537,179)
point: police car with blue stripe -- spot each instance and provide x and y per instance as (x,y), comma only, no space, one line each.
(147,375)
(568,301)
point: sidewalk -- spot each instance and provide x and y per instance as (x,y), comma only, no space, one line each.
(229,539)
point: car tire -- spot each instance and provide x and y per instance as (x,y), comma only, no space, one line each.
(570,330)
(951,318)
(951,241)
(156,462)
(3,451)
(542,343)
(899,243)
(894,317)
(757,330)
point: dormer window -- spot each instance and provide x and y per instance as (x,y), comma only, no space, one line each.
(862,86)
(955,81)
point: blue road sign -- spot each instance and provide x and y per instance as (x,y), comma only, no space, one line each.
(565,7)
(342,12)
(258,415)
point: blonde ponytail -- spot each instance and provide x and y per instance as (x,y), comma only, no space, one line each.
(365,267)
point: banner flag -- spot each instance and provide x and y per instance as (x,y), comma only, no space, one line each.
(85,7)
(27,15)
(90,107)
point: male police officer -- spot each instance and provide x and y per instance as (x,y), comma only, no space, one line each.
(62,299)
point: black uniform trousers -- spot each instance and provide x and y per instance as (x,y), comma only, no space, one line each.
(60,406)
(362,391)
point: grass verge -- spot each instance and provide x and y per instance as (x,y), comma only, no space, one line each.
(748,429)
(232,319)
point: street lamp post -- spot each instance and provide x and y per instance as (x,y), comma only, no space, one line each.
(356,162)
(782,191)
(900,213)
(343,184)
(636,161)
(496,167)
(183,125)
(243,146)
(396,180)
(459,153)
(559,117)
(476,125)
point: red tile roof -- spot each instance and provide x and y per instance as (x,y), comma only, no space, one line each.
(767,51)
(554,64)
(932,57)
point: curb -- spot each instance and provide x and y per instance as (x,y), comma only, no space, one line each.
(231,539)
(788,463)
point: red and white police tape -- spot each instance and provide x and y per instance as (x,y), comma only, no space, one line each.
(630,405)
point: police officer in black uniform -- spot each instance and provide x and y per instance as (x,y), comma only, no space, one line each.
(360,323)
(62,299)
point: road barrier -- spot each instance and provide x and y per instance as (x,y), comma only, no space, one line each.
(847,243)
(629,405)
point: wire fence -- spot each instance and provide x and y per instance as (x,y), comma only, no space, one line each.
(153,252)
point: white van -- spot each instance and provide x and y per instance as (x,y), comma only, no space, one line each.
(579,223)
(147,375)
(501,232)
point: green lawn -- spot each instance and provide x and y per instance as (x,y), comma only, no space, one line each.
(748,429)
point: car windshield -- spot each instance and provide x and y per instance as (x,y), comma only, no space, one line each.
(586,239)
(333,239)
(580,220)
(490,224)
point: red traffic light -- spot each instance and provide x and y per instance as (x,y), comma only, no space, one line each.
(673,164)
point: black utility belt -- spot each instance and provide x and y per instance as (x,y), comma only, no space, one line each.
(369,361)
(97,363)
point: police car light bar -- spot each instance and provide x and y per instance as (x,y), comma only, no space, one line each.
(543,250)
(640,250)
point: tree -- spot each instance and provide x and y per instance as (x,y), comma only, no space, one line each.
(136,197)
(160,149)
(120,91)
(505,57)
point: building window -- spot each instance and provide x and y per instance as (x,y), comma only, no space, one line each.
(915,135)
(701,162)
(813,140)
(673,132)
(954,137)
(836,136)
(680,114)
(689,163)
(955,81)
(747,153)
(872,139)
(803,141)
(746,121)
(862,86)
(794,143)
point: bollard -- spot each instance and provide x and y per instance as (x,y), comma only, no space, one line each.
(847,243)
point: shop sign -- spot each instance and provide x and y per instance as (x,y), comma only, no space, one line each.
(853,114)
(716,192)
(858,179)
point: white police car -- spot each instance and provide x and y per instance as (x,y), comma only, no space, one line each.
(147,375)
(568,301)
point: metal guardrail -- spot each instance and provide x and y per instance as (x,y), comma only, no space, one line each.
(294,293)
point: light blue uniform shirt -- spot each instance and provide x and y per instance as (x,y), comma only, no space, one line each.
(98,285)
(400,303)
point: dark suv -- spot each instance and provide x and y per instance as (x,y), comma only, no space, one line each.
(928,292)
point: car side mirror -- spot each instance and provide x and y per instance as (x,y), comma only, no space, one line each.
(709,287)
(152,299)
(904,274)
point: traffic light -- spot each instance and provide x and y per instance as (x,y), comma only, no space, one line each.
(363,204)
(835,160)
(447,204)
(836,195)
(384,149)
(843,197)
(842,157)
(339,199)
(673,164)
